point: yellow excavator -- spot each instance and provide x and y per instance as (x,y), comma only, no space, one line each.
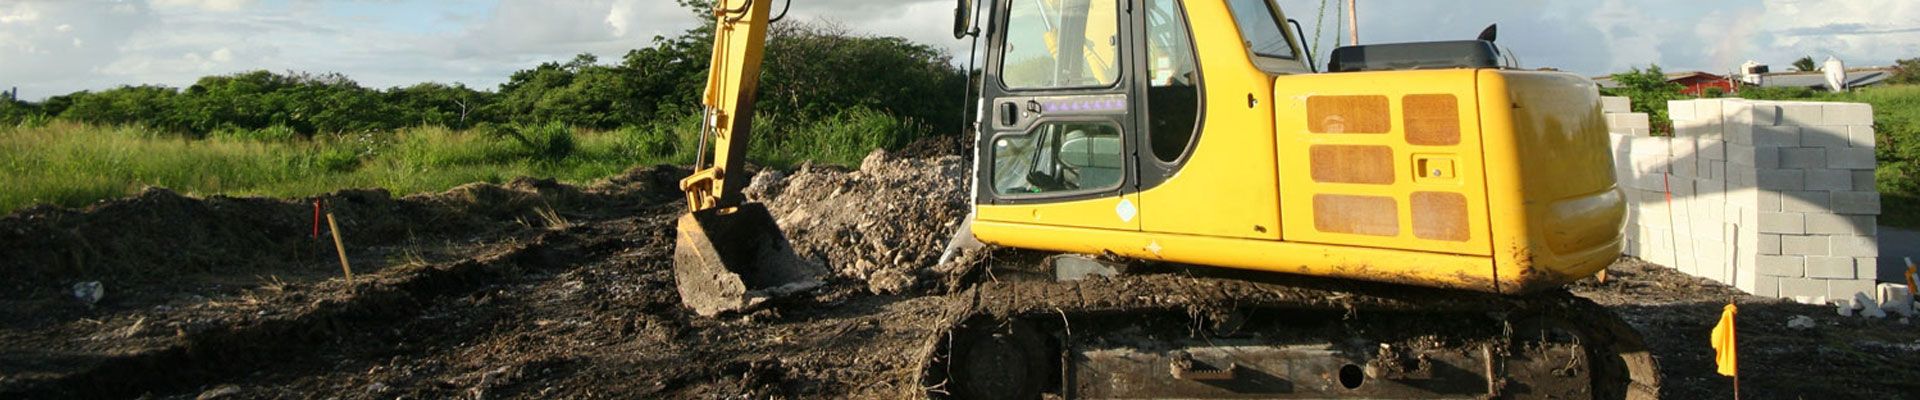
(1400,224)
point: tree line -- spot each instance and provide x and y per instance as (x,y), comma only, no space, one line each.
(811,72)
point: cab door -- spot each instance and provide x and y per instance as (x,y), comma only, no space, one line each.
(1057,143)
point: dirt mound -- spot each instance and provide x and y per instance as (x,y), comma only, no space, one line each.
(884,224)
(160,234)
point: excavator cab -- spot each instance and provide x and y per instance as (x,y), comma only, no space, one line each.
(730,255)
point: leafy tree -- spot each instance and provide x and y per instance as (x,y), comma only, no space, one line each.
(1908,72)
(1650,92)
(1805,64)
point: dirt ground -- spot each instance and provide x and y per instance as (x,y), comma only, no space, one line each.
(540,290)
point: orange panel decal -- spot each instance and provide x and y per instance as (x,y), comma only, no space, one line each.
(1359,215)
(1440,216)
(1369,165)
(1348,114)
(1432,119)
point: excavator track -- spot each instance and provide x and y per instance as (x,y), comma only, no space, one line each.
(1203,333)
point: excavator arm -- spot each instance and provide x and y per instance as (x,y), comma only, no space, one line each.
(730,255)
(739,42)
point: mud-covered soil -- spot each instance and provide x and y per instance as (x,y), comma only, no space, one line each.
(538,290)
(1840,357)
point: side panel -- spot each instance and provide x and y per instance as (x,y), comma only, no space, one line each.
(1388,160)
(1226,188)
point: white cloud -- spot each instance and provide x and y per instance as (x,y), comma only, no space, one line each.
(1870,31)
(53,47)
(205,5)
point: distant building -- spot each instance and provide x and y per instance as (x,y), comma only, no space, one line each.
(1694,83)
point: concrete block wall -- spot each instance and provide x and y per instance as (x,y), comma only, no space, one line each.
(1775,198)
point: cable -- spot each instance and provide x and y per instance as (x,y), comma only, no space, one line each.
(783,12)
(1318,23)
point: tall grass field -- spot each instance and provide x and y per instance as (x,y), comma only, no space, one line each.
(71,164)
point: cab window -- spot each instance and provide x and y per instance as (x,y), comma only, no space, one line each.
(1054,44)
(1173,91)
(1260,26)
(1059,158)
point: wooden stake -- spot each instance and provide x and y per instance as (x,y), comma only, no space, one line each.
(340,247)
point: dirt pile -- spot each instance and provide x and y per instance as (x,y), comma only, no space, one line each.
(162,240)
(883,224)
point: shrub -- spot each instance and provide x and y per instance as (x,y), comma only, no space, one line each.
(551,141)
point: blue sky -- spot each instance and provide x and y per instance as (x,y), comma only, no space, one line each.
(50,47)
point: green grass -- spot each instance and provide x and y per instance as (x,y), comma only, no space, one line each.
(71,164)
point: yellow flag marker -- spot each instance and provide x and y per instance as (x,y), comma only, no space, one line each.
(1723,343)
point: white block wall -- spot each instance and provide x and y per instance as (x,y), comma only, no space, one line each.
(1775,198)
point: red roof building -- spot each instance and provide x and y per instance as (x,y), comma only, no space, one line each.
(1697,83)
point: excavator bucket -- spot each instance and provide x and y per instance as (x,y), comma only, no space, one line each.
(735,259)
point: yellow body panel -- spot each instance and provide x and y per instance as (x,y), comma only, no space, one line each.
(1297,162)
(1382,265)
(1104,213)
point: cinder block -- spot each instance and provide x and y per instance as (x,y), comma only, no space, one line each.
(1776,136)
(1804,201)
(1802,114)
(1616,104)
(1803,287)
(1843,291)
(1766,158)
(1866,267)
(1803,157)
(1651,146)
(1765,286)
(1680,110)
(1713,150)
(1739,154)
(1627,122)
(1830,267)
(1783,223)
(1800,245)
(1847,114)
(1861,136)
(1830,224)
(1832,180)
(1782,266)
(1851,158)
(1783,179)
(1708,111)
(1829,136)
(1769,244)
(1682,146)
(1770,201)
(1741,176)
(1855,246)
(1856,203)
(1766,114)
(1864,181)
